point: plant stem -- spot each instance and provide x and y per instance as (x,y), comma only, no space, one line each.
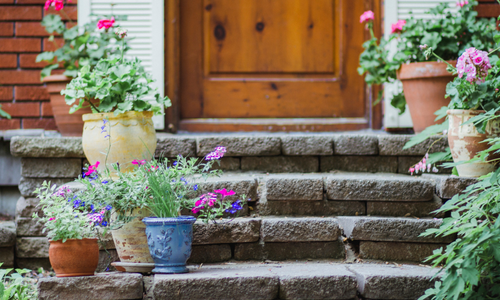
(91,104)
(123,48)
(66,15)
(439,58)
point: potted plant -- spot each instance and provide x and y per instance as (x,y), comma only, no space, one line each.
(170,234)
(424,82)
(116,91)
(82,46)
(129,195)
(472,111)
(71,229)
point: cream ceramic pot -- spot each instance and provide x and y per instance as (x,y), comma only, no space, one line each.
(121,139)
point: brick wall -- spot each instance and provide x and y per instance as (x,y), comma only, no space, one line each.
(22,37)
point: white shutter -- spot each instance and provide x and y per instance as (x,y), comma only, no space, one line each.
(145,25)
(394,11)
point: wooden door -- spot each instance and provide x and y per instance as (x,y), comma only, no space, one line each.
(273,65)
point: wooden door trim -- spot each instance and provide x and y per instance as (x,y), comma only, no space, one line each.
(373,118)
(172,63)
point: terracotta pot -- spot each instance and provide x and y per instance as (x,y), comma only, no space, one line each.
(126,137)
(67,124)
(465,141)
(74,257)
(424,86)
(131,241)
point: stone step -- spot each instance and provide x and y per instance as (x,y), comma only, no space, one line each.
(300,280)
(291,238)
(323,194)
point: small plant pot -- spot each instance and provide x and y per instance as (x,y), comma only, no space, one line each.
(465,142)
(169,241)
(67,124)
(74,257)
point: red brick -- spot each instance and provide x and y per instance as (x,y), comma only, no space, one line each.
(6,124)
(6,93)
(69,11)
(16,13)
(47,124)
(30,29)
(22,109)
(20,45)
(28,61)
(19,77)
(31,93)
(6,1)
(52,45)
(47,109)
(6,28)
(8,61)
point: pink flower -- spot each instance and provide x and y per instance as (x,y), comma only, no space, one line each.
(217,154)
(62,191)
(225,193)
(52,219)
(411,170)
(96,218)
(462,3)
(139,162)
(398,26)
(105,23)
(196,210)
(92,168)
(367,16)
(474,64)
(58,4)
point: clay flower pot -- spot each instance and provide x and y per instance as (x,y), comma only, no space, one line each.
(121,139)
(67,124)
(130,240)
(424,86)
(169,241)
(465,141)
(74,257)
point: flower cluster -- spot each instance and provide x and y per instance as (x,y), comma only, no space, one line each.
(207,203)
(235,207)
(92,169)
(216,154)
(398,26)
(121,32)
(423,166)
(139,162)
(106,23)
(208,198)
(462,3)
(58,4)
(475,63)
(367,16)
(62,191)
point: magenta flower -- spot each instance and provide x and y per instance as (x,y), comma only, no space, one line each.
(92,168)
(398,26)
(58,4)
(106,23)
(225,193)
(462,3)
(367,16)
(139,162)
(52,219)
(96,218)
(474,64)
(218,153)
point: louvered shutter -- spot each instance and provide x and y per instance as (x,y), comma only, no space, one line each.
(394,11)
(145,25)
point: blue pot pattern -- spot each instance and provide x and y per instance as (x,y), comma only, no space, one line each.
(169,241)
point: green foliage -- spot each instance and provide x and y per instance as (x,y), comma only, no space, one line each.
(13,286)
(119,85)
(449,34)
(472,262)
(3,113)
(83,46)
(63,218)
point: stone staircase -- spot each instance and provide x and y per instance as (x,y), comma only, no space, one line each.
(331,216)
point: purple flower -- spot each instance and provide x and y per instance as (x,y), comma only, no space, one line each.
(175,163)
(76,203)
(195,187)
(108,207)
(235,206)
(104,181)
(104,223)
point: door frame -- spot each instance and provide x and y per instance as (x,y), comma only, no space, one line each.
(372,119)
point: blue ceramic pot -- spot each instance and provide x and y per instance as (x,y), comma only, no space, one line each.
(169,241)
